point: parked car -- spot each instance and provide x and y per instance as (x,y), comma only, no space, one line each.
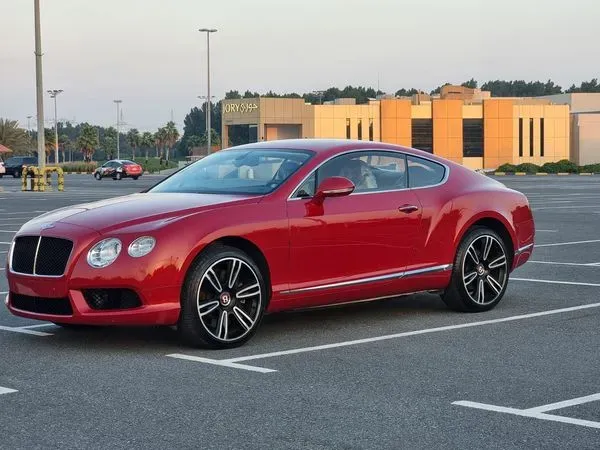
(118,169)
(273,226)
(14,165)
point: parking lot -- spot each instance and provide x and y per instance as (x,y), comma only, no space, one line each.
(402,373)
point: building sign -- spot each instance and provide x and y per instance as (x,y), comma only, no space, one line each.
(242,108)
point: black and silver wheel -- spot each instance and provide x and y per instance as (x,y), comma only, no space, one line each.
(97,176)
(223,299)
(480,273)
(118,176)
(16,174)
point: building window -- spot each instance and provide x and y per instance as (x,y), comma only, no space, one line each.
(371,129)
(360,129)
(520,138)
(542,136)
(422,134)
(347,128)
(530,137)
(473,137)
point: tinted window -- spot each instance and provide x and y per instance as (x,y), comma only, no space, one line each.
(370,171)
(14,161)
(253,171)
(422,172)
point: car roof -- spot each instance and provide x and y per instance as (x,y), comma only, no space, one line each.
(332,146)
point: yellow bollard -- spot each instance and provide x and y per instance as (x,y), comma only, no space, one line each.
(59,174)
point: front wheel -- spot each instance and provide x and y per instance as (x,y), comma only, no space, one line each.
(480,273)
(223,299)
(118,176)
(97,176)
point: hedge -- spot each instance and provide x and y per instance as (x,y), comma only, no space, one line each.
(562,166)
(152,165)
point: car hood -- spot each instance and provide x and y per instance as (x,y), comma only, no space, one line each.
(120,212)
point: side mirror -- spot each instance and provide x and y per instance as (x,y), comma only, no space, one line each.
(334,187)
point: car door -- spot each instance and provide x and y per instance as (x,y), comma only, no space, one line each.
(365,237)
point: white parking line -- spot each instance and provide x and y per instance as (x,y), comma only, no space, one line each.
(228,362)
(546,231)
(5,243)
(567,243)
(29,327)
(564,263)
(24,331)
(4,390)
(572,283)
(8,231)
(564,207)
(539,411)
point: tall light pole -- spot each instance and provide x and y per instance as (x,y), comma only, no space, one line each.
(39,86)
(208,31)
(207,114)
(118,102)
(53,94)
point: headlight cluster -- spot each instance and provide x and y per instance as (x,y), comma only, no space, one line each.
(105,252)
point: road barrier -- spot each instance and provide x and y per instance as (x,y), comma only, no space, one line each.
(34,179)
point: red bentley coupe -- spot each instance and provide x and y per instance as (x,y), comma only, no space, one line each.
(268,227)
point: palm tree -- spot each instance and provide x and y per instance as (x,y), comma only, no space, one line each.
(13,137)
(133,139)
(146,141)
(193,142)
(171,136)
(109,142)
(87,141)
(49,143)
(158,140)
(64,143)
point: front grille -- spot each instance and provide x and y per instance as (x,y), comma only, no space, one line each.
(41,305)
(36,255)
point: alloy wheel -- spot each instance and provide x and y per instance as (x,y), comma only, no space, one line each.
(229,299)
(485,269)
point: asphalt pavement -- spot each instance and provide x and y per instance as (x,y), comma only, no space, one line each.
(403,373)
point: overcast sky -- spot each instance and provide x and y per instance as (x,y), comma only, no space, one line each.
(149,53)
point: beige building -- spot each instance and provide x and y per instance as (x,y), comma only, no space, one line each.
(461,124)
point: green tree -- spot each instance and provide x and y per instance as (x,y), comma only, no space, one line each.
(585,86)
(49,143)
(406,92)
(133,139)
(14,137)
(472,84)
(193,142)
(171,136)
(64,144)
(87,141)
(109,142)
(146,142)
(215,139)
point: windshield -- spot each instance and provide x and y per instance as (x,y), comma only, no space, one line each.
(255,171)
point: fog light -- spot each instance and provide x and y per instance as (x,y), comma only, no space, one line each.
(141,246)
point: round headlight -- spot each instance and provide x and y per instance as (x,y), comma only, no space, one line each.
(141,246)
(104,253)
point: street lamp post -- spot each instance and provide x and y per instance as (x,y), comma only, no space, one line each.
(208,31)
(207,114)
(53,94)
(39,86)
(118,102)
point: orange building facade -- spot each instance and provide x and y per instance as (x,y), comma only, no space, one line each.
(463,125)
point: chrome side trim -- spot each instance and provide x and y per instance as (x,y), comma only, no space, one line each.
(446,172)
(441,268)
(392,276)
(523,249)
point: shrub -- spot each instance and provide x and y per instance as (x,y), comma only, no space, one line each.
(590,168)
(153,165)
(550,167)
(564,165)
(528,168)
(509,168)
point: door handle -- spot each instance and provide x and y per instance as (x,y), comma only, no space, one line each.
(407,209)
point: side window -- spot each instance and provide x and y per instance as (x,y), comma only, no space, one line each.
(422,172)
(370,171)
(307,188)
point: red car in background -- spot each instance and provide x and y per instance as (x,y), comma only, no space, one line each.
(273,226)
(118,169)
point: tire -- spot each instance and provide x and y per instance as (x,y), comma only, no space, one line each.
(118,176)
(135,178)
(97,176)
(480,272)
(223,299)
(16,174)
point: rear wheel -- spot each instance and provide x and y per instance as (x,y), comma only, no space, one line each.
(16,174)
(480,273)
(135,178)
(118,176)
(223,299)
